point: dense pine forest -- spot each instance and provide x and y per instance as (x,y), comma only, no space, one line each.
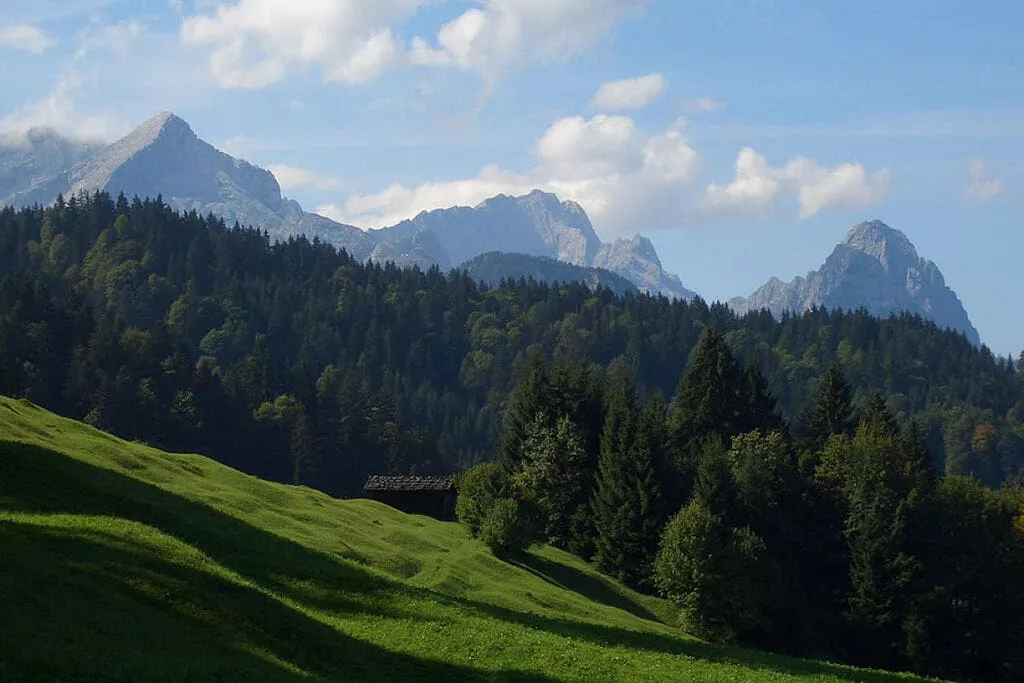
(296,363)
(829,484)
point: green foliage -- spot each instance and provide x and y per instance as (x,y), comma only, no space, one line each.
(831,410)
(627,504)
(479,488)
(509,527)
(710,571)
(205,574)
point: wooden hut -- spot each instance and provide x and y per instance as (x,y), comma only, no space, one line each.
(431,496)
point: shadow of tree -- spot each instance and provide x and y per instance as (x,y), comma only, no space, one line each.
(571,579)
(34,479)
(167,630)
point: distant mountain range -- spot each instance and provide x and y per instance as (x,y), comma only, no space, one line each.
(875,267)
(536,234)
(164,157)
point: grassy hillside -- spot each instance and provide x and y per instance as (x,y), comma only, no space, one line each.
(123,563)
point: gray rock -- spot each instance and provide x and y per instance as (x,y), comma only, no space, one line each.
(637,261)
(875,267)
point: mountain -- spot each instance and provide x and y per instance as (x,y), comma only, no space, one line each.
(637,261)
(876,267)
(494,267)
(163,156)
(30,163)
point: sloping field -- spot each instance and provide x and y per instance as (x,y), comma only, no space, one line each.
(119,562)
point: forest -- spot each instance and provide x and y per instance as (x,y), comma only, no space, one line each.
(829,484)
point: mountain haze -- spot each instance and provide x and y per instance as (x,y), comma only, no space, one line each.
(875,267)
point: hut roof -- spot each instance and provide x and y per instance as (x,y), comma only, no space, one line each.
(408,483)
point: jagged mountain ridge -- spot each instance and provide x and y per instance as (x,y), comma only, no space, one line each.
(875,267)
(163,156)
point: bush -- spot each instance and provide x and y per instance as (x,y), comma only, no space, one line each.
(710,572)
(508,527)
(479,488)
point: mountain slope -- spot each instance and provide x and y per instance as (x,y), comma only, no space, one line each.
(876,267)
(124,563)
(163,156)
(637,261)
(494,267)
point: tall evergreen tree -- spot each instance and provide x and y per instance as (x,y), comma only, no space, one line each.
(831,411)
(627,504)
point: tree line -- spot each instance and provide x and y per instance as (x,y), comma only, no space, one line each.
(834,537)
(297,363)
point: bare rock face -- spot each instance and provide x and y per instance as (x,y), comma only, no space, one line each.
(875,267)
(637,261)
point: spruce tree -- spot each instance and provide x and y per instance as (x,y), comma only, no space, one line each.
(529,399)
(612,495)
(831,411)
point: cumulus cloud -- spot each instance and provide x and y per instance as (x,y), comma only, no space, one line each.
(24,37)
(501,33)
(621,176)
(757,185)
(981,186)
(295,177)
(257,42)
(628,93)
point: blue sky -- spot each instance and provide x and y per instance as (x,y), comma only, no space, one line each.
(744,137)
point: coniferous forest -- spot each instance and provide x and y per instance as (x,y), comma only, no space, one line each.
(828,485)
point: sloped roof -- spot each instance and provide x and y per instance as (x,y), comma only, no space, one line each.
(408,483)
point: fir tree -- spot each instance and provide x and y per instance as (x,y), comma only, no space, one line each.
(830,412)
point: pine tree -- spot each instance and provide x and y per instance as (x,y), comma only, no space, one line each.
(530,398)
(831,411)
(716,397)
(612,495)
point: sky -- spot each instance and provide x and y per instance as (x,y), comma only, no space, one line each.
(743,137)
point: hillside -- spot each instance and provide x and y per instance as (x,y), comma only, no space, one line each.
(495,267)
(125,563)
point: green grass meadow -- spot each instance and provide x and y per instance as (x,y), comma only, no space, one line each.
(119,562)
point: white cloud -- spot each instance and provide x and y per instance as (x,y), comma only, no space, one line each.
(628,93)
(25,37)
(757,185)
(981,187)
(702,105)
(502,33)
(622,177)
(57,109)
(257,42)
(295,177)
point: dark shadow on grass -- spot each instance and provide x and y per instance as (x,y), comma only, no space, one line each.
(571,579)
(34,479)
(171,602)
(752,659)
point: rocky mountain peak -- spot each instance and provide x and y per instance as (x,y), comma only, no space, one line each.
(888,246)
(875,267)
